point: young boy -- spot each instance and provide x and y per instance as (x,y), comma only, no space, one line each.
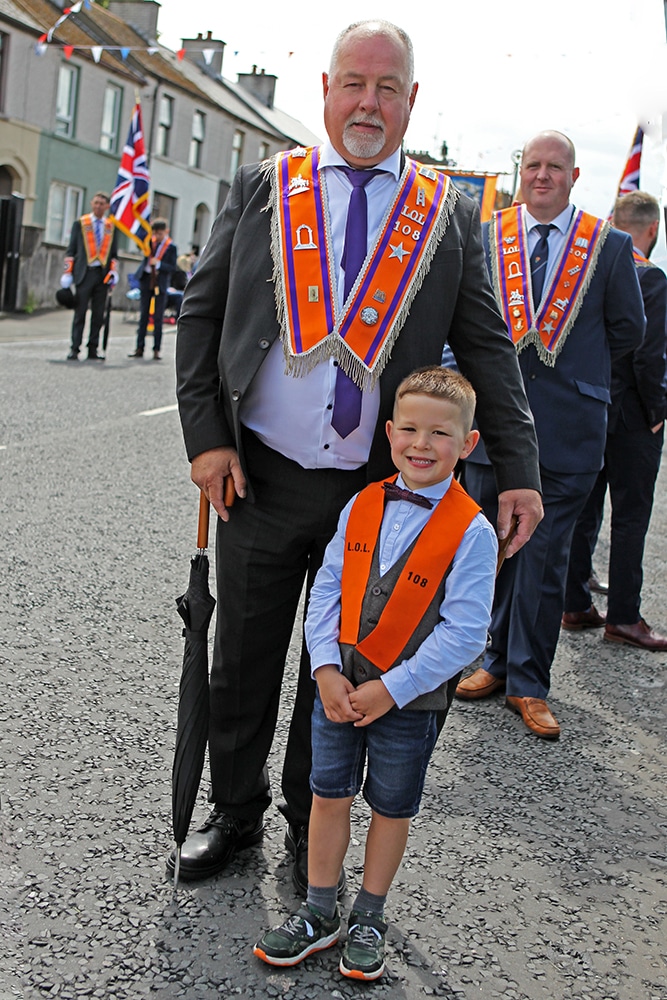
(401,604)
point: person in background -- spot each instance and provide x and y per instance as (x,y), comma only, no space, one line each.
(635,436)
(568,289)
(154,276)
(91,266)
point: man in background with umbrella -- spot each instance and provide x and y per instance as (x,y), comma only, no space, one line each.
(282,404)
(90,265)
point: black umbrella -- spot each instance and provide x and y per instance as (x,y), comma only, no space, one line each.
(107,319)
(195,608)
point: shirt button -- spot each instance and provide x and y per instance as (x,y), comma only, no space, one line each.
(326,447)
(335,364)
(264,343)
(330,406)
(395,527)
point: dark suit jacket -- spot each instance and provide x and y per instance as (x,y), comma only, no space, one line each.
(76,248)
(165,270)
(569,401)
(228,322)
(638,388)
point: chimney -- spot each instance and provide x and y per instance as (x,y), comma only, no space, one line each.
(206,52)
(261,85)
(139,14)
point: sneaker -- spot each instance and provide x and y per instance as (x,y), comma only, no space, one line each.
(305,932)
(363,955)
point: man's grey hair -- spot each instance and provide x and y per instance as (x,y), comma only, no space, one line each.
(635,210)
(376,26)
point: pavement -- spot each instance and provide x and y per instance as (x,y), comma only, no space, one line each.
(534,871)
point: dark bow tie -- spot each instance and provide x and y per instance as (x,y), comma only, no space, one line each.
(394,492)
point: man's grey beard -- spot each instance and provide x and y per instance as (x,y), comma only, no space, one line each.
(360,146)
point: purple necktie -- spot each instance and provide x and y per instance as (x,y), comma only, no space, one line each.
(347,395)
(394,492)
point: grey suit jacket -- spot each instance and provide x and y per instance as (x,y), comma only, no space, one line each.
(228,322)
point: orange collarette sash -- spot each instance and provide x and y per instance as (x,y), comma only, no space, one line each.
(94,253)
(548,323)
(359,335)
(640,260)
(422,574)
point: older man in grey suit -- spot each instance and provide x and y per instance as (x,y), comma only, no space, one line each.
(288,357)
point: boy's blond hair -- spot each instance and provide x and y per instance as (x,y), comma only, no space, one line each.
(441,383)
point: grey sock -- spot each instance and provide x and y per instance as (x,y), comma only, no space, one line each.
(323,899)
(369,902)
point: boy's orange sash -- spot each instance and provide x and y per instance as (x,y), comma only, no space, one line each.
(418,583)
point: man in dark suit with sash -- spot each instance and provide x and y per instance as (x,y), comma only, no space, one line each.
(566,283)
(289,353)
(90,264)
(635,437)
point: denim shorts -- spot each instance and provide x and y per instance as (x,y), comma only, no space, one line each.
(398,745)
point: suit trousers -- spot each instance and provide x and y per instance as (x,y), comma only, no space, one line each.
(530,589)
(160,303)
(632,462)
(264,553)
(92,291)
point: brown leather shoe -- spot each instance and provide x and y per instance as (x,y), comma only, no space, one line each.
(536,715)
(574,621)
(479,685)
(641,635)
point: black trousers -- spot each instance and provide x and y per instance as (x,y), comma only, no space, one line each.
(160,304)
(264,554)
(92,291)
(632,462)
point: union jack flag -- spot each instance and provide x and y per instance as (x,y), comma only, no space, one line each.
(630,179)
(130,209)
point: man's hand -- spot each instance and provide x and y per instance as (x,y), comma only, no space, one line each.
(208,471)
(371,700)
(335,690)
(527,505)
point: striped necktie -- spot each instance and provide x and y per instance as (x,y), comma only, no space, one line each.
(538,261)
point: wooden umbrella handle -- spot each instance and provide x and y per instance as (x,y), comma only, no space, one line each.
(205,510)
(503,544)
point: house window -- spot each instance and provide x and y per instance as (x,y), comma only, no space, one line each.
(197,139)
(65,205)
(165,122)
(163,207)
(263,150)
(237,151)
(68,78)
(110,117)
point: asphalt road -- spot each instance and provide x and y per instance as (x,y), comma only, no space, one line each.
(535,871)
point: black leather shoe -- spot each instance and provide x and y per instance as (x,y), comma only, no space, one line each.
(209,850)
(139,353)
(73,356)
(94,356)
(296,842)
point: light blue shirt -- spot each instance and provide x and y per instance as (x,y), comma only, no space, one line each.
(555,239)
(277,403)
(465,611)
